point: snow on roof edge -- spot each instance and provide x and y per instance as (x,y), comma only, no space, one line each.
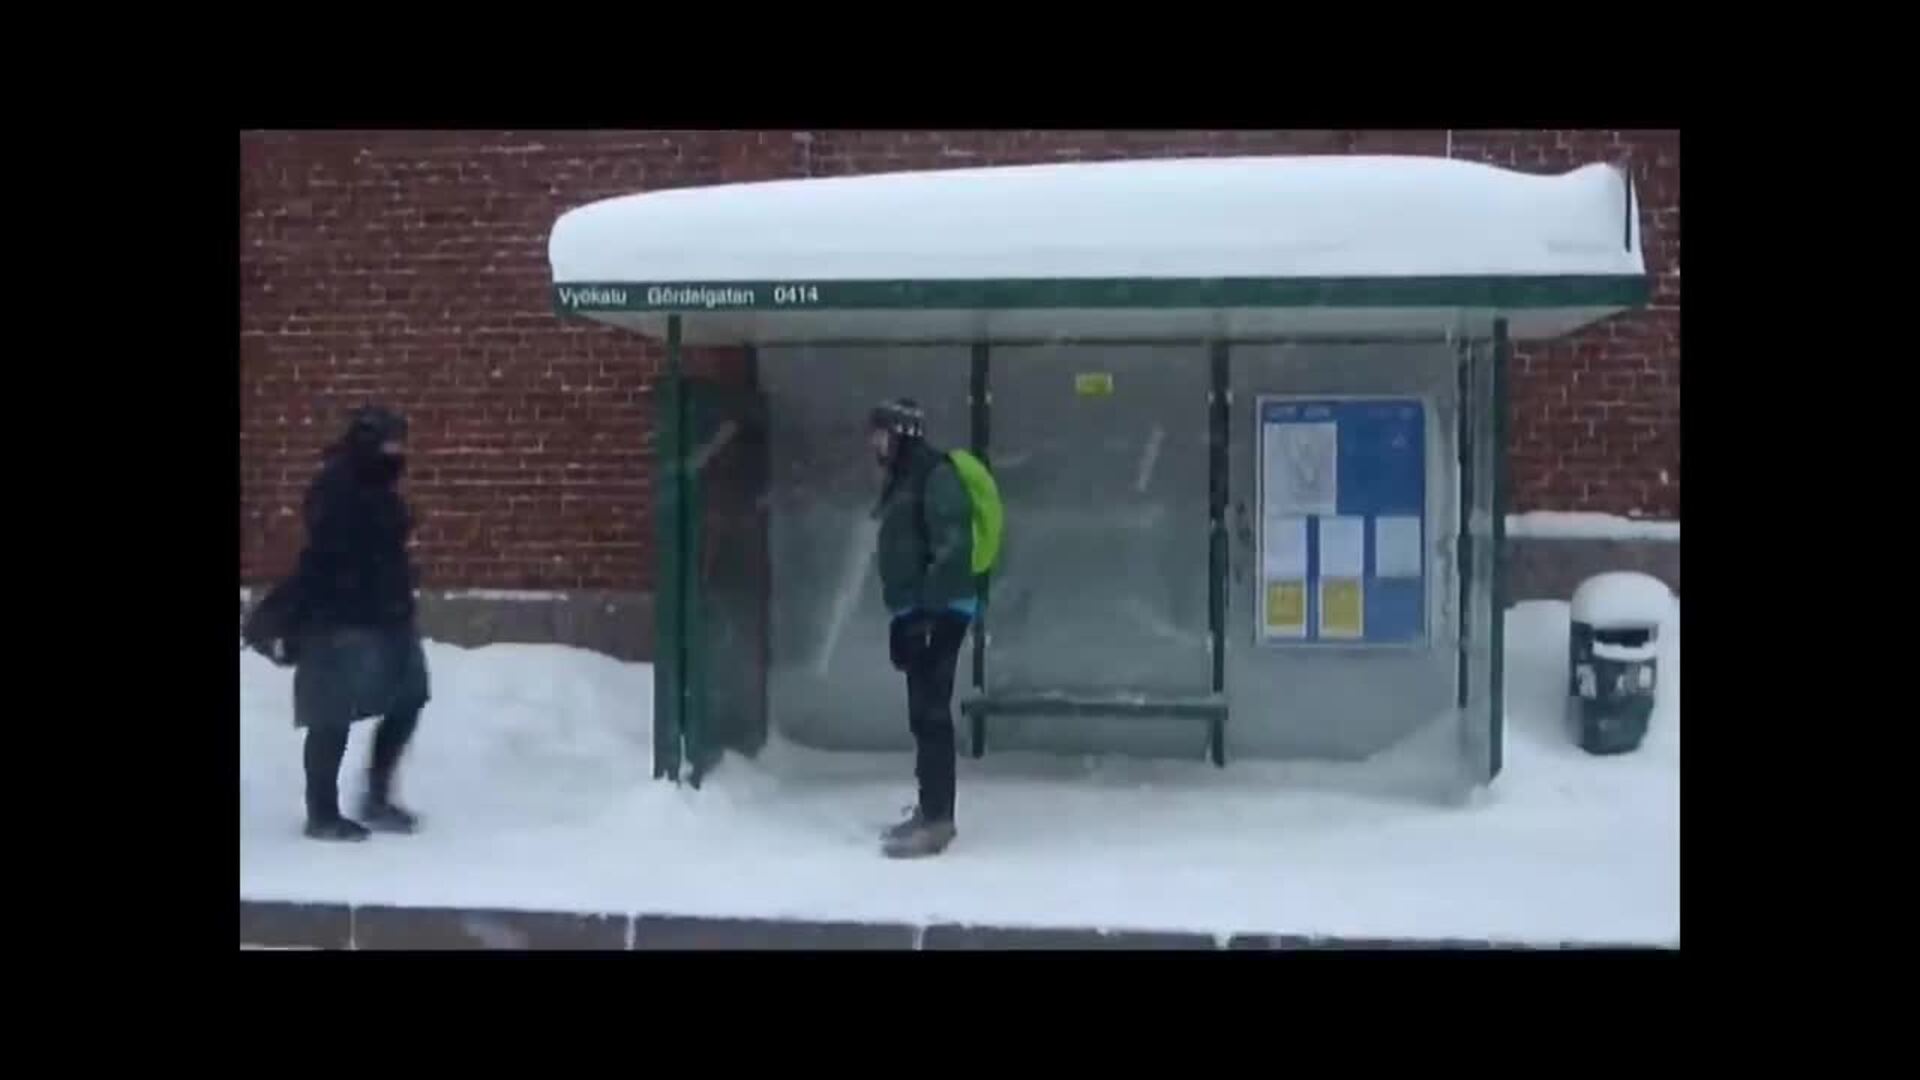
(1167,218)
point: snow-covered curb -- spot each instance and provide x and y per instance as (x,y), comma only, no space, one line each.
(1561,525)
(284,925)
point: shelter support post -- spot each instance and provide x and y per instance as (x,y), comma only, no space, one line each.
(670,585)
(1219,413)
(1502,355)
(1463,537)
(980,400)
(763,515)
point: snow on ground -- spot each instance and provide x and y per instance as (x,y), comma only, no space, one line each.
(533,766)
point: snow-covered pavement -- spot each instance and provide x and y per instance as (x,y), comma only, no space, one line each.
(533,764)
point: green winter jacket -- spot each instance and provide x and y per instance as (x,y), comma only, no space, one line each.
(926,565)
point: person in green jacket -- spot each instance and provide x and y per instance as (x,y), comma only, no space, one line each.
(927,582)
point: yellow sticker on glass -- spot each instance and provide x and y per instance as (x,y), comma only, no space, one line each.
(1286,614)
(1093,384)
(1342,609)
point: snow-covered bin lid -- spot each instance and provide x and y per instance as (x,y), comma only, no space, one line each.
(1622,599)
(1627,654)
(1194,218)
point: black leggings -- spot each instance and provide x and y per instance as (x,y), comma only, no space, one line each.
(327,746)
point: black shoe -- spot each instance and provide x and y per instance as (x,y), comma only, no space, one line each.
(336,828)
(913,821)
(387,816)
(920,841)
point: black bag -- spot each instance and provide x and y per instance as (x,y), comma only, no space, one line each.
(269,628)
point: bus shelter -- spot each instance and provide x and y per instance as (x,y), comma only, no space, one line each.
(1248,417)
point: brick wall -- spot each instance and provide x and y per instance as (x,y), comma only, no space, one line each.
(1596,417)
(410,268)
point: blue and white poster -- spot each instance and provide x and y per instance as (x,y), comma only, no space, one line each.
(1343,498)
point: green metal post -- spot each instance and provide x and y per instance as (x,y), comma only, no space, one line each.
(1218,421)
(683,516)
(671,651)
(979,392)
(1463,556)
(1502,355)
(762,491)
(981,422)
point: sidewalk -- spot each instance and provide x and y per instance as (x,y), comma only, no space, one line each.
(274,925)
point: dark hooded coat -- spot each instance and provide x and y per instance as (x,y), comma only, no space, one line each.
(926,533)
(351,615)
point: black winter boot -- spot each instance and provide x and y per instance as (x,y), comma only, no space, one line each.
(919,840)
(912,821)
(336,828)
(324,747)
(389,740)
(388,816)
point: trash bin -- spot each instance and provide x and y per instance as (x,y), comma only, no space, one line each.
(1613,651)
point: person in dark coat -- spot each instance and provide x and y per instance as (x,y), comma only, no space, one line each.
(357,651)
(926,578)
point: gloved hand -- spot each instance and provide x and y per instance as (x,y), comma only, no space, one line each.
(908,638)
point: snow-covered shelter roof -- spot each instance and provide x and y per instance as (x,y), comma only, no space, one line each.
(1202,247)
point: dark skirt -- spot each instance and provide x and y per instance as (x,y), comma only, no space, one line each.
(350,674)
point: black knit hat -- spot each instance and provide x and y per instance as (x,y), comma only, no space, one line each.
(368,428)
(901,416)
(376,424)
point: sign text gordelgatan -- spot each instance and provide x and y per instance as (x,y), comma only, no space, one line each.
(683,297)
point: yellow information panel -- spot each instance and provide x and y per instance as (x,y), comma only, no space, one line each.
(1342,604)
(1286,609)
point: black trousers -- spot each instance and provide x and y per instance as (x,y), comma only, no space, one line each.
(327,746)
(930,660)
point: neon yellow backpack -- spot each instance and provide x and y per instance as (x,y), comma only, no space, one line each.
(989,516)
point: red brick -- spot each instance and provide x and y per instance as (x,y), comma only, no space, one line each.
(411,266)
